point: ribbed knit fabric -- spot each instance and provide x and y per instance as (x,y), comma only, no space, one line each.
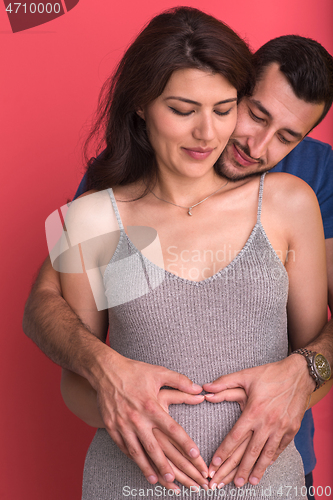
(233,320)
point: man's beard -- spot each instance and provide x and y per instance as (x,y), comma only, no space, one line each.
(227,172)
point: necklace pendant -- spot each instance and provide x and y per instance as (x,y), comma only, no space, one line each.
(189,211)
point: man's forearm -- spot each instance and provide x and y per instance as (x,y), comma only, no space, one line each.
(324,343)
(56,329)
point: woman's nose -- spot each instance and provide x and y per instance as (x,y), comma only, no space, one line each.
(204,129)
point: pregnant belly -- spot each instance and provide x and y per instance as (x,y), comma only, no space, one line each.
(206,423)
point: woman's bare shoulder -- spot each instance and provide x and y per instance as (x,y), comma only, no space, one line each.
(90,215)
(286,191)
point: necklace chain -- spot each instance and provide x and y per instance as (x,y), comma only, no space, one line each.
(189,208)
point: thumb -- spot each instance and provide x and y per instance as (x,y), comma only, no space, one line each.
(230,381)
(168,397)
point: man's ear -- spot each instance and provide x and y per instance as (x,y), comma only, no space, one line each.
(140,113)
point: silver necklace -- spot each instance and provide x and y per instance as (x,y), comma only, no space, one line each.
(189,208)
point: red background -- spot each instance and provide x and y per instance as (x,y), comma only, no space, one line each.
(50,79)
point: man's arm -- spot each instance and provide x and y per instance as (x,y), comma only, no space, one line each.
(57,330)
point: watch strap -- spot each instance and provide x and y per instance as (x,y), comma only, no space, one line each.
(309,356)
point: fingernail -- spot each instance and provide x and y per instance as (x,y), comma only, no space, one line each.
(193,453)
(177,492)
(254,480)
(168,478)
(152,479)
(217,461)
(272,462)
(212,474)
(197,387)
(204,474)
(209,394)
(220,486)
(195,488)
(199,396)
(205,487)
(239,482)
(214,486)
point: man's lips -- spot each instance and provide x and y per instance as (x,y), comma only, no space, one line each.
(198,153)
(242,158)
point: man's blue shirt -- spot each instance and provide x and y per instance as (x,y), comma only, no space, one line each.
(312,161)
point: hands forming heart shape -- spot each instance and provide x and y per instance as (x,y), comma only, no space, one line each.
(193,472)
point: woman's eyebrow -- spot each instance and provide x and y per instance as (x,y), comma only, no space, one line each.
(183,99)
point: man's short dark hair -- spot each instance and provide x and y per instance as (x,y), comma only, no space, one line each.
(305,63)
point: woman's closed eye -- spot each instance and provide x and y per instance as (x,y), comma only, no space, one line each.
(188,113)
(223,113)
(181,113)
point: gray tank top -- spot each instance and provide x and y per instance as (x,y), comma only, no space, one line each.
(233,320)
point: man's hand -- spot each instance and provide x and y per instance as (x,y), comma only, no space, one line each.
(132,409)
(277,397)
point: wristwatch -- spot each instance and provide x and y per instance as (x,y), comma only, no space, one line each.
(319,367)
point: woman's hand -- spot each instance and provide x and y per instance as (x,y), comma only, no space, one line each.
(228,470)
(237,394)
(220,476)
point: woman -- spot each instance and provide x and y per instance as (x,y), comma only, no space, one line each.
(207,296)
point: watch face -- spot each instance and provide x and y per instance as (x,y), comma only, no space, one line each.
(322,367)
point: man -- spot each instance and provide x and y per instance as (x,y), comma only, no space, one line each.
(281,111)
(263,136)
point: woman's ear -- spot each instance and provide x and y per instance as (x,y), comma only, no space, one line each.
(140,113)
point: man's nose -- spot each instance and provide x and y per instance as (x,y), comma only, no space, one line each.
(259,143)
(204,128)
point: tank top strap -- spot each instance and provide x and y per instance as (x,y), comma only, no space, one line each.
(261,190)
(115,208)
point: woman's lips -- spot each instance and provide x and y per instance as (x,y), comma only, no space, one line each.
(242,158)
(198,153)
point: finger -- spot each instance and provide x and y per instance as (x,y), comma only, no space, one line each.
(168,397)
(251,455)
(222,473)
(269,454)
(238,395)
(136,451)
(116,437)
(193,468)
(236,436)
(230,381)
(227,479)
(180,381)
(156,454)
(186,481)
(161,480)
(178,435)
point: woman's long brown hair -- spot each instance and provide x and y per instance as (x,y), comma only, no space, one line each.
(179,38)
